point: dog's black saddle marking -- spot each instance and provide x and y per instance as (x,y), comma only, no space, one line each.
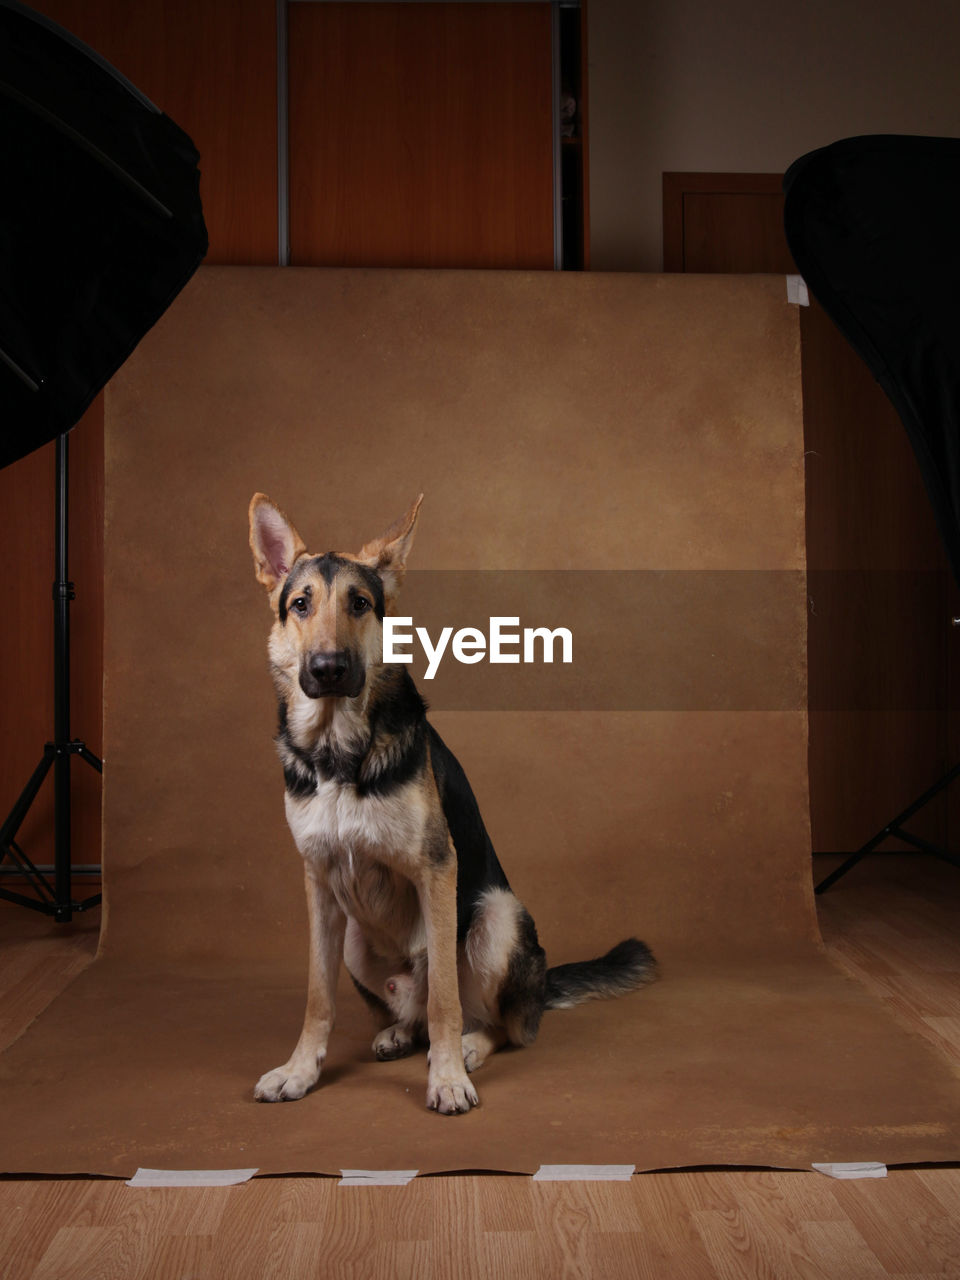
(478,867)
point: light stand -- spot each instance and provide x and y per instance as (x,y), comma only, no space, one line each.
(57,899)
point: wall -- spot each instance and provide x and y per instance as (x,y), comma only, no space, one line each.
(748,86)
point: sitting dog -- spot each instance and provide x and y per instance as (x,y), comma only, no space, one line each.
(401,877)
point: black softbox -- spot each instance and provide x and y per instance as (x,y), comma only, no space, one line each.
(873,224)
(100,225)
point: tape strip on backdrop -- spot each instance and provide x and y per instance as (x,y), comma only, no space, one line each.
(585,1173)
(190,1177)
(797,291)
(376,1177)
(863,1169)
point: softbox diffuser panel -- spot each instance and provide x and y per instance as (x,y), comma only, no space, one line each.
(872,223)
(100,225)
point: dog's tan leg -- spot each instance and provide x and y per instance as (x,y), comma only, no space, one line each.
(302,1071)
(449,1091)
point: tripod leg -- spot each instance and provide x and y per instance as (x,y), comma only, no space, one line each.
(8,839)
(891,829)
(23,802)
(842,870)
(86,754)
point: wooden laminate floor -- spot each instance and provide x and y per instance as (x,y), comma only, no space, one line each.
(893,922)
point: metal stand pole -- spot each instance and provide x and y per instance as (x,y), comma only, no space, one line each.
(56,900)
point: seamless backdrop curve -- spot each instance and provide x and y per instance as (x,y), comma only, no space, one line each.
(595,423)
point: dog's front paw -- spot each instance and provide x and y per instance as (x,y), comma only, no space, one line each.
(284,1084)
(394,1042)
(451,1097)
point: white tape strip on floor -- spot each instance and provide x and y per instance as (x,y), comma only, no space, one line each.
(585,1173)
(376,1177)
(863,1169)
(190,1177)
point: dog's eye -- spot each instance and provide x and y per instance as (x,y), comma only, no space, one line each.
(360,604)
(299,605)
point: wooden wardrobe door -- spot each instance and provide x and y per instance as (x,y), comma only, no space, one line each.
(421,135)
(211,65)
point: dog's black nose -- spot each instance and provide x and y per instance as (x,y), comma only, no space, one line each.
(328,668)
(329,674)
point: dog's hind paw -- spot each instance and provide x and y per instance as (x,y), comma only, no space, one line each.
(478,1045)
(451,1097)
(394,1042)
(284,1085)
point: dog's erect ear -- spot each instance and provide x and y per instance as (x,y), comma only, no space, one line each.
(388,553)
(274,542)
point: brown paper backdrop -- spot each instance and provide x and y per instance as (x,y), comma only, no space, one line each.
(554,422)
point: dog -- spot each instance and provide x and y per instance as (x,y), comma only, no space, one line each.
(401,878)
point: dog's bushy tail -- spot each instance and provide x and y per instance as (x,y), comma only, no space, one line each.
(628,966)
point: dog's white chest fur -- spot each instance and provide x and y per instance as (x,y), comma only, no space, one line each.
(336,823)
(367,850)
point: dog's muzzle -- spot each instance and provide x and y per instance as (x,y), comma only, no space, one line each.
(331,675)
